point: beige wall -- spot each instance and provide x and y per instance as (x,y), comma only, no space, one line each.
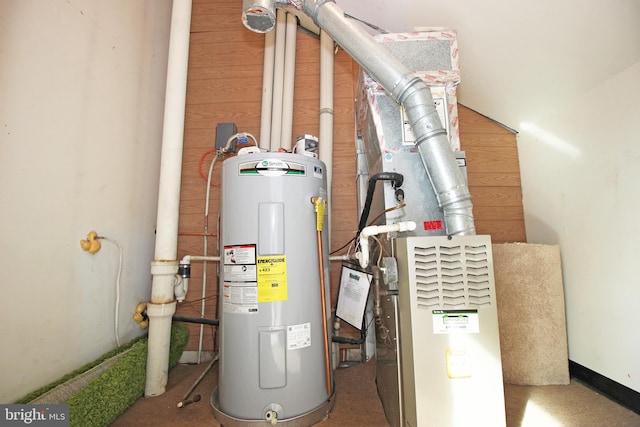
(81,109)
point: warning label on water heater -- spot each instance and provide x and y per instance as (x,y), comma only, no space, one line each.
(240,287)
(240,297)
(239,263)
(272,278)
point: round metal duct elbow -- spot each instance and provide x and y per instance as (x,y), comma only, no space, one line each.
(259,15)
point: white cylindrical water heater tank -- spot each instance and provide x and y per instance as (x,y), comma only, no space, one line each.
(272,340)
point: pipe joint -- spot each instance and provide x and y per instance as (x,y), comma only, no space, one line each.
(164,268)
(429,135)
(405,87)
(458,211)
(453,197)
(161,310)
(374,230)
(312,8)
(165,278)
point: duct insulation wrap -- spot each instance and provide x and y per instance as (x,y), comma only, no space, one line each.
(272,357)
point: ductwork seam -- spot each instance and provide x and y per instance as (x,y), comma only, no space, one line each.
(311,8)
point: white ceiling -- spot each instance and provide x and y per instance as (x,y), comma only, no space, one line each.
(519,60)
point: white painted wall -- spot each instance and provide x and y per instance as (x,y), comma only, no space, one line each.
(81,107)
(566,76)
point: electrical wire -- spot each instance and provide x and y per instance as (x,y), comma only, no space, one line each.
(229,148)
(117,307)
(392,208)
(379,250)
(219,153)
(202,162)
(193,301)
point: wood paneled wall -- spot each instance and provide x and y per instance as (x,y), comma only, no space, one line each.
(225,85)
(493,174)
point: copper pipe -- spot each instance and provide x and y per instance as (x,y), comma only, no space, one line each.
(327,364)
(319,209)
(195,233)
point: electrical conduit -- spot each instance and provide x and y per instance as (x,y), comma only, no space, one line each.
(165,265)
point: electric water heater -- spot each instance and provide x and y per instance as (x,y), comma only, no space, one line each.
(274,360)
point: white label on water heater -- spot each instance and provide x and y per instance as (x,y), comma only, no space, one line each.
(240,273)
(298,336)
(239,254)
(240,297)
(239,263)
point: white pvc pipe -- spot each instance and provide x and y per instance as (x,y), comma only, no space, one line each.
(267,89)
(188,258)
(374,230)
(164,267)
(289,81)
(278,81)
(325,138)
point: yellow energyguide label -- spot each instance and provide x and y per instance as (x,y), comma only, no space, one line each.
(272,278)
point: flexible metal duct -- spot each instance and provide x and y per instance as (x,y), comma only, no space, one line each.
(446,178)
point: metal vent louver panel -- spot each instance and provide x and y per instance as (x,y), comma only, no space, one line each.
(448,337)
(452,276)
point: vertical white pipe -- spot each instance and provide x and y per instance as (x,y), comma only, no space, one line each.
(325,139)
(278,80)
(165,265)
(289,81)
(267,89)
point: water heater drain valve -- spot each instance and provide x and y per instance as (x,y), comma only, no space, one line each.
(272,417)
